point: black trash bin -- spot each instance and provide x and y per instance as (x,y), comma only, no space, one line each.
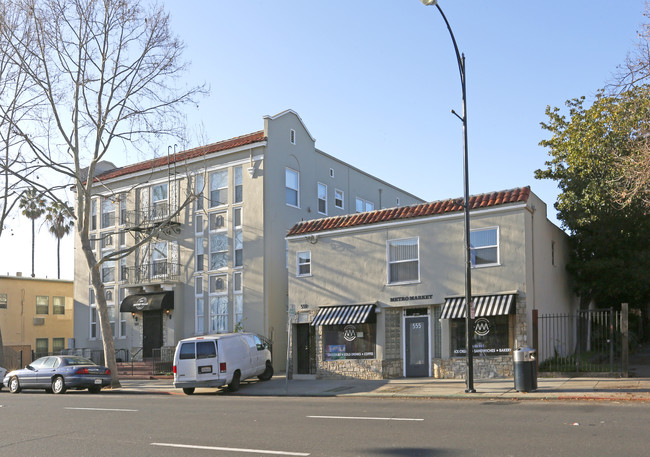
(525,369)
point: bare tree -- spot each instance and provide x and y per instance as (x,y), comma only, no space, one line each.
(17,103)
(110,73)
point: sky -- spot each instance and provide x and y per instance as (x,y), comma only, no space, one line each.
(375,81)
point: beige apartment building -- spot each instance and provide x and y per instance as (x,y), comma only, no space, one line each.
(222,264)
(382,294)
(36,315)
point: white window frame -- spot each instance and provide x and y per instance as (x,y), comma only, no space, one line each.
(199,248)
(93,321)
(122,316)
(223,190)
(322,198)
(292,136)
(287,187)
(218,320)
(238,298)
(238,197)
(490,246)
(199,306)
(108,212)
(339,195)
(300,263)
(215,232)
(199,190)
(160,201)
(390,262)
(366,204)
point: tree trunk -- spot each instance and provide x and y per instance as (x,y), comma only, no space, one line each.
(33,244)
(58,258)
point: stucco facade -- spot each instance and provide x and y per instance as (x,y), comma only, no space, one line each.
(408,264)
(221,265)
(35,315)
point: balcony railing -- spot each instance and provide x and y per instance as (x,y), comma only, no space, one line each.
(155,272)
(149,217)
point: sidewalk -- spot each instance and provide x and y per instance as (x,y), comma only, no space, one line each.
(601,389)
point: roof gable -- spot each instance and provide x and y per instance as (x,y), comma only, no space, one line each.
(493,199)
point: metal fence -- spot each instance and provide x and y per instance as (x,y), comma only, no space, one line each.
(588,341)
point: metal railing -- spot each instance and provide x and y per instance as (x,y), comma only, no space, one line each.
(152,272)
(150,216)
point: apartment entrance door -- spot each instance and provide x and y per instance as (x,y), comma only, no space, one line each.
(151,332)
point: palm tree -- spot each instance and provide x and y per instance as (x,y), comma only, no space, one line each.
(59,217)
(33,206)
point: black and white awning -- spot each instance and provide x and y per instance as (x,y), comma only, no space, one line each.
(147,302)
(346,314)
(485,305)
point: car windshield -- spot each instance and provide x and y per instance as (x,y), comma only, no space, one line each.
(77,361)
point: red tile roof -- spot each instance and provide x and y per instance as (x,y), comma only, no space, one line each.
(517,195)
(182,156)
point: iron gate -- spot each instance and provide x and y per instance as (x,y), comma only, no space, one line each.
(588,341)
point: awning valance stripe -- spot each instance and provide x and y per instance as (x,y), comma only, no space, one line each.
(485,305)
(347,314)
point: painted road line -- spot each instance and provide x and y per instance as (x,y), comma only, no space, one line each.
(106,409)
(367,418)
(230,449)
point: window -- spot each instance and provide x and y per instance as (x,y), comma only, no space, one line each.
(218,241)
(42,347)
(237,216)
(484,245)
(238,260)
(553,253)
(108,268)
(122,199)
(106,240)
(491,336)
(108,212)
(93,215)
(42,304)
(58,345)
(199,250)
(331,172)
(304,263)
(292,136)
(341,342)
(58,305)
(218,188)
(403,261)
(159,258)
(292,183)
(93,314)
(122,316)
(397,201)
(218,303)
(322,198)
(238,299)
(159,207)
(124,270)
(200,305)
(3,301)
(339,199)
(198,190)
(364,205)
(239,185)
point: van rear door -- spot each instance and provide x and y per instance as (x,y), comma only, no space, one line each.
(186,362)
(207,362)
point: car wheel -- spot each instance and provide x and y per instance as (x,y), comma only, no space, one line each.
(188,390)
(268,373)
(58,385)
(14,385)
(94,389)
(234,384)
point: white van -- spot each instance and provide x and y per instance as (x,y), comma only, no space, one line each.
(217,360)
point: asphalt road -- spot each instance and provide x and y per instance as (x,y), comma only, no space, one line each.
(80,424)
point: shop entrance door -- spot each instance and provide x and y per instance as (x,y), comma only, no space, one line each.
(303,348)
(151,332)
(416,357)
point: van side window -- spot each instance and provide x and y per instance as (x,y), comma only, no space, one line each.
(258,343)
(206,350)
(187,351)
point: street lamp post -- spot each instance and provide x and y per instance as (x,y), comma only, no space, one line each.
(469,327)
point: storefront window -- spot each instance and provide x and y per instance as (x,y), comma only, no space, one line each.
(350,341)
(491,336)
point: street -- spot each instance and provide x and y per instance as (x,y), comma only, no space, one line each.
(111,424)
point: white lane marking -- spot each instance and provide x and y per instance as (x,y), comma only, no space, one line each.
(367,418)
(105,409)
(230,449)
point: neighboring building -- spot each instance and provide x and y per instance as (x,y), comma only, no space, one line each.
(35,316)
(381,294)
(223,264)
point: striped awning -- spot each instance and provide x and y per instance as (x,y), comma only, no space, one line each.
(485,305)
(346,314)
